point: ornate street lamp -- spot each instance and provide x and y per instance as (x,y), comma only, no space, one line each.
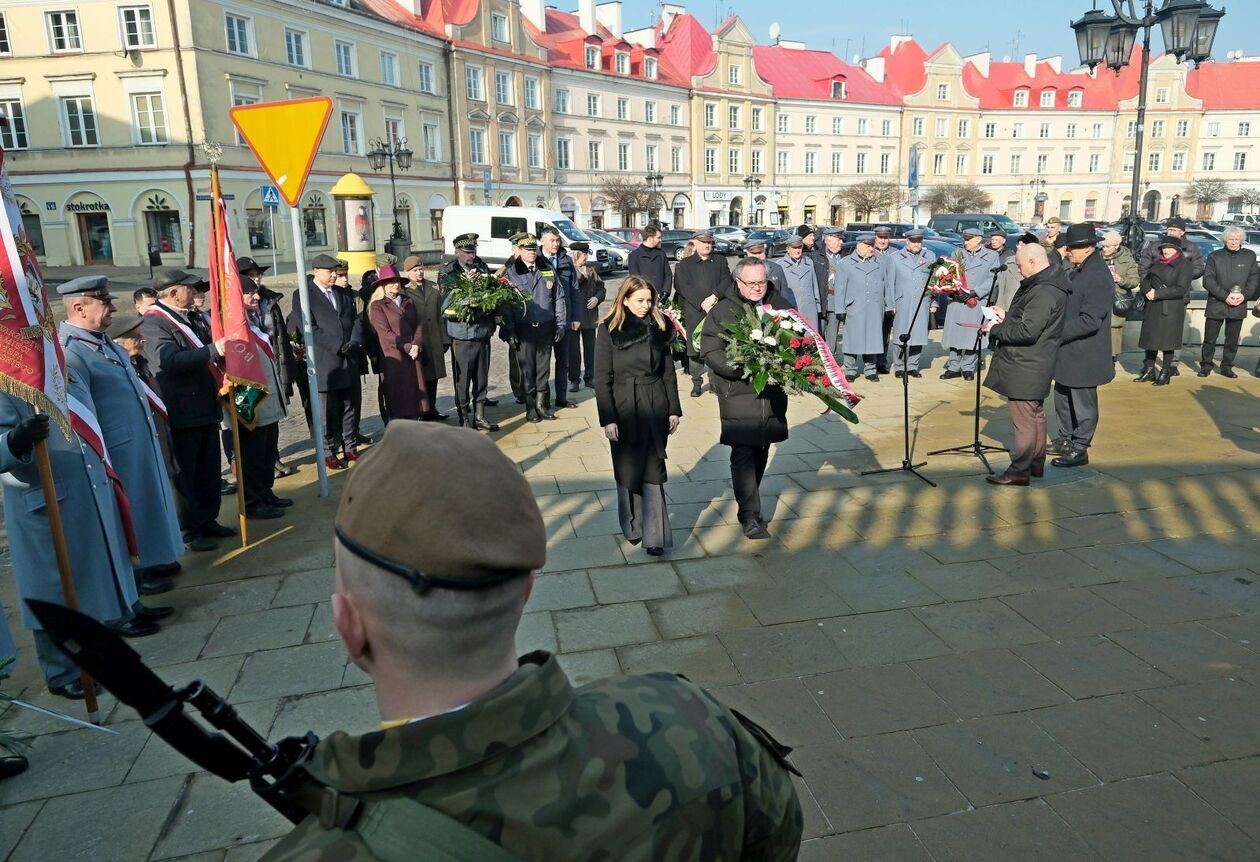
(752,182)
(1189,29)
(654,181)
(392,152)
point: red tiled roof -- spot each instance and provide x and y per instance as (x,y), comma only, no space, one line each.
(566,41)
(1103,92)
(904,67)
(391,11)
(1225,86)
(798,74)
(687,46)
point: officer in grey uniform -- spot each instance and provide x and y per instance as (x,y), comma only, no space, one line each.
(965,314)
(908,299)
(774,273)
(540,326)
(802,281)
(883,249)
(860,303)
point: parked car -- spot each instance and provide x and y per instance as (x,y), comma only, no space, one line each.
(898,228)
(674,242)
(776,240)
(729,232)
(631,235)
(617,247)
(955,223)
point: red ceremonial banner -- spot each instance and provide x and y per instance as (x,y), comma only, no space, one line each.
(242,360)
(31,363)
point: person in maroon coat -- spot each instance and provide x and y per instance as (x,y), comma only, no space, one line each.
(398,328)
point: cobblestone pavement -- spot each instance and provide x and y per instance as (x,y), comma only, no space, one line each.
(1063,672)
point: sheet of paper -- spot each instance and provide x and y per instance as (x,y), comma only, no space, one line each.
(990,315)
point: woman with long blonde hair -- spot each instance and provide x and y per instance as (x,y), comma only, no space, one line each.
(636,394)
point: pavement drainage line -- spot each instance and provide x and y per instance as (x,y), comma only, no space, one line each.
(180,798)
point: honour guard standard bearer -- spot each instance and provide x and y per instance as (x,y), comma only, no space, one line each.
(965,314)
(907,297)
(470,341)
(540,326)
(860,305)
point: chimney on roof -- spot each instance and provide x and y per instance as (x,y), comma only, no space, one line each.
(586,16)
(980,61)
(1030,65)
(535,12)
(670,11)
(1056,63)
(609,14)
(897,42)
(875,68)
(791,45)
(644,38)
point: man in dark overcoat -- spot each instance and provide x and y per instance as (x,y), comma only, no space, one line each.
(338,330)
(1231,279)
(591,293)
(700,280)
(650,261)
(1084,360)
(1026,339)
(182,362)
(751,421)
(428,301)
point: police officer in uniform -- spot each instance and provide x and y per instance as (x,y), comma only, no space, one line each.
(860,304)
(965,314)
(470,342)
(540,326)
(495,757)
(908,299)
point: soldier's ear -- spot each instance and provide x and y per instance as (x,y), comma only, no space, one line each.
(348,620)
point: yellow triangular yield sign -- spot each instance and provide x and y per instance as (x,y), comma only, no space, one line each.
(284,137)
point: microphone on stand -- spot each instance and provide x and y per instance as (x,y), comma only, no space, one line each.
(1001,268)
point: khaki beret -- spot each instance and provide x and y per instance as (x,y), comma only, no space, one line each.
(484,532)
(412,261)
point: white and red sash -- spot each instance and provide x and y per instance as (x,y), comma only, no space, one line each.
(186,331)
(155,400)
(832,372)
(84,423)
(264,341)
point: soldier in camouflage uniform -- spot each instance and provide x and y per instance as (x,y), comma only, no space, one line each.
(485,757)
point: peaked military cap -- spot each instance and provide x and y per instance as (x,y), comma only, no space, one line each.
(754,244)
(525,240)
(866,236)
(883,230)
(169,277)
(487,533)
(997,231)
(96,286)
(466,242)
(702,236)
(324,261)
(917,233)
(794,241)
(970,232)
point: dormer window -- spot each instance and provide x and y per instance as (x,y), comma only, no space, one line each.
(1074,98)
(839,90)
(650,68)
(942,92)
(734,74)
(623,63)
(1021,98)
(592,57)
(1047,98)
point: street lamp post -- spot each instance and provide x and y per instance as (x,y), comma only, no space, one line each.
(1189,28)
(654,181)
(391,152)
(752,182)
(1037,189)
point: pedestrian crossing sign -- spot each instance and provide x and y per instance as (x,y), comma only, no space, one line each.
(285,137)
(270,196)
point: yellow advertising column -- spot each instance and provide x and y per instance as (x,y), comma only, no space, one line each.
(356,223)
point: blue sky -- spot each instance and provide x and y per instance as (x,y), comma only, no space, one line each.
(849,27)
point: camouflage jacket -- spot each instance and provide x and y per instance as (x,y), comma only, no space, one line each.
(627,768)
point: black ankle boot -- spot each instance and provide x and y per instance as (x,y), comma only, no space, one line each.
(1148,374)
(480,422)
(1163,377)
(540,405)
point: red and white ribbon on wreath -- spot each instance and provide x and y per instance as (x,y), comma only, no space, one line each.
(673,318)
(833,374)
(84,423)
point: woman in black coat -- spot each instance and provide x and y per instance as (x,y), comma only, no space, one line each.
(751,421)
(1165,287)
(636,394)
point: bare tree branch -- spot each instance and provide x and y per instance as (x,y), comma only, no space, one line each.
(957,198)
(871,196)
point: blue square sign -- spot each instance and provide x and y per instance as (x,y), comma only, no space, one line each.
(270,196)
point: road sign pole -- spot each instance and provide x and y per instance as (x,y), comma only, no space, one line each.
(308,338)
(271,227)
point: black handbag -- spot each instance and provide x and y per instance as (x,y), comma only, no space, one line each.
(1124,302)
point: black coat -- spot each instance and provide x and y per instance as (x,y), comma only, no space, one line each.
(590,286)
(1164,321)
(1223,270)
(748,418)
(1085,346)
(1150,256)
(696,279)
(287,366)
(185,381)
(822,272)
(1026,342)
(338,336)
(652,264)
(427,298)
(636,388)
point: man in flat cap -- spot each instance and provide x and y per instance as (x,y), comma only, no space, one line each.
(907,297)
(540,327)
(428,301)
(582,343)
(651,765)
(127,428)
(338,331)
(965,314)
(883,247)
(860,287)
(700,281)
(185,364)
(470,340)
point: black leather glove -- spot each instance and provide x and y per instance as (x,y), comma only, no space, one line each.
(26,434)
(560,335)
(348,349)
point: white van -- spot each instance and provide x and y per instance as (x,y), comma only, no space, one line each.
(493,226)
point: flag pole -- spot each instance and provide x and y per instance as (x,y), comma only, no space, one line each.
(233,419)
(44,464)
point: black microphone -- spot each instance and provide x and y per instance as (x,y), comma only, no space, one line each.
(1001,268)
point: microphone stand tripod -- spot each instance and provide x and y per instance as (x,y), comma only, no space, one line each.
(975,447)
(907,465)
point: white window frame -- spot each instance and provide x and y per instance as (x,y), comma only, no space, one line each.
(533,150)
(1043,131)
(651,68)
(811,124)
(6,44)
(122,27)
(783,161)
(251,45)
(733,117)
(863,126)
(425,71)
(1158,128)
(502,87)
(811,162)
(1244,129)
(986,165)
(1095,162)
(17,124)
(1043,163)
(1209,162)
(1183,128)
(964,128)
(562,101)
(938,164)
(649,158)
(649,112)
(837,161)
(783,123)
(1178,162)
(533,94)
(564,154)
(960,164)
(389,69)
(1070,132)
(675,115)
(1047,98)
(1161,95)
(1097,130)
(1240,160)
(474,83)
(734,74)
(293,36)
(595,155)
(758,118)
(621,62)
(735,161)
(64,117)
(1021,98)
(837,125)
(710,115)
(1075,98)
(942,92)
(395,126)
(477,136)
(69,21)
(350,119)
(990,130)
(591,55)
(343,49)
(839,90)
(942,127)
(1069,163)
(710,160)
(756,160)
(860,167)
(161,134)
(1017,131)
(623,108)
(499,28)
(1017,163)
(1154,161)
(624,160)
(430,142)
(675,160)
(506,141)
(885,163)
(593,105)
